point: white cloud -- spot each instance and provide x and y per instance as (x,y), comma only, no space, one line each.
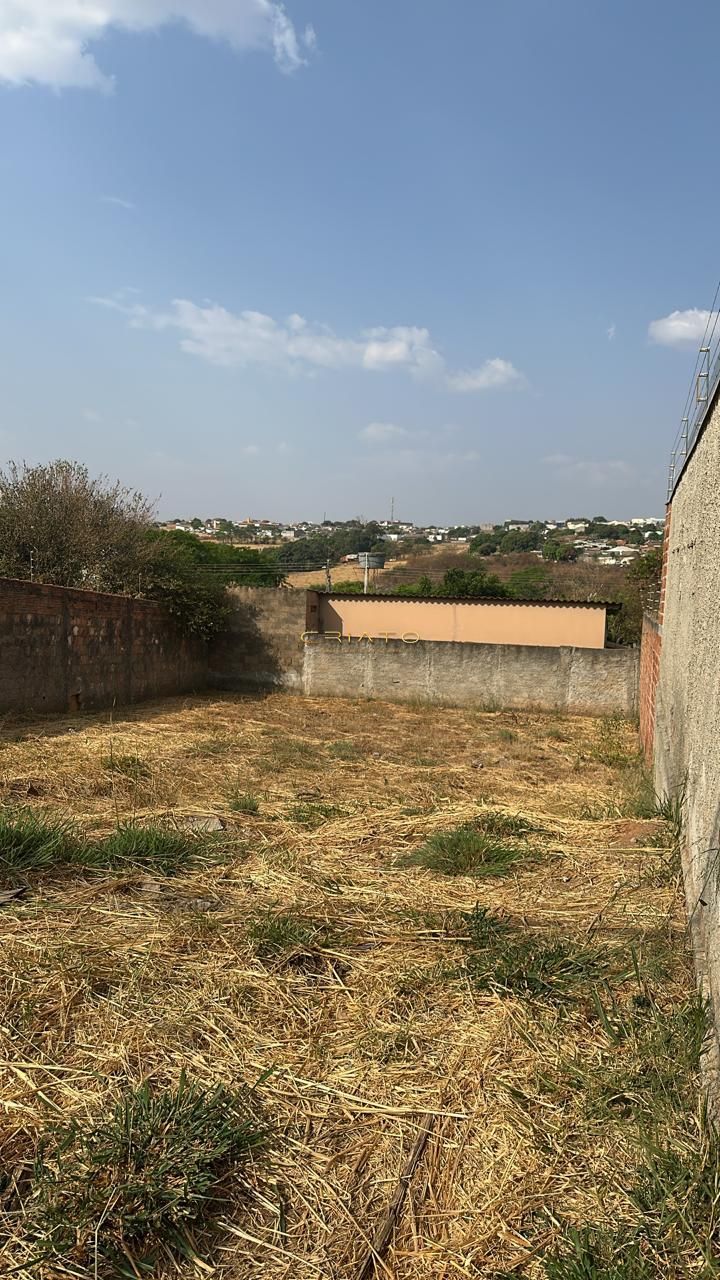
(611,333)
(491,374)
(92,416)
(297,345)
(681,327)
(118,201)
(250,450)
(593,471)
(48,41)
(383,433)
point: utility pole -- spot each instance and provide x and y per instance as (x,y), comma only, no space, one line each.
(328,578)
(392,510)
(367,572)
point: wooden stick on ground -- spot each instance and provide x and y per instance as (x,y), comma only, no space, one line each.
(384,1233)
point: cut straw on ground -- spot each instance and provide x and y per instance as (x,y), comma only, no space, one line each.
(298,941)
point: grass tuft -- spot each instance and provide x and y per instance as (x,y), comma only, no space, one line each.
(494,823)
(30,841)
(130,766)
(595,1253)
(671,808)
(243,802)
(469,851)
(153,848)
(653,1062)
(482,928)
(313,815)
(345,750)
(293,752)
(506,735)
(675,1198)
(524,965)
(274,935)
(133,1188)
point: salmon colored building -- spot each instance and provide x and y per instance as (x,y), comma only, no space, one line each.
(550,623)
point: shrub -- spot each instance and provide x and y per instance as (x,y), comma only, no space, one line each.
(131,1188)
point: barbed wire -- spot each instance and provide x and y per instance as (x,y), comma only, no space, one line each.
(705,378)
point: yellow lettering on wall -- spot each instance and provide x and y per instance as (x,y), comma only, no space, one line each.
(334,635)
(385,635)
(368,638)
(411,637)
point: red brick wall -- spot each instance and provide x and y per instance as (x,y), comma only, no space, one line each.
(666,553)
(67,650)
(650,650)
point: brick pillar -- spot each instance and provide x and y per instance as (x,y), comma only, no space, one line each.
(666,554)
(650,651)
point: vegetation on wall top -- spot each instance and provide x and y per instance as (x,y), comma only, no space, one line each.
(60,525)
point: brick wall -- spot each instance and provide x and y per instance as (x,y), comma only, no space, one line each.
(68,650)
(666,558)
(650,648)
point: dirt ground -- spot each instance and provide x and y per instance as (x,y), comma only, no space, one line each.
(375,1029)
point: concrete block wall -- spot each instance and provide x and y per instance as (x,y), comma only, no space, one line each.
(263,648)
(687,711)
(68,650)
(583,681)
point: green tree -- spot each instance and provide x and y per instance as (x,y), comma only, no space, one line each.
(58,524)
(423,587)
(647,569)
(485,544)
(520,540)
(553,550)
(471,582)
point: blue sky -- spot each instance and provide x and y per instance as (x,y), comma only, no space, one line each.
(298,260)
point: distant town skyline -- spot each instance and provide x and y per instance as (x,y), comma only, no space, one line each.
(214,522)
(306,256)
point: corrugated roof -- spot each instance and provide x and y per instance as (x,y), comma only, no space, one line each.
(611,606)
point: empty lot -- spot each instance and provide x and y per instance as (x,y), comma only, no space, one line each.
(396,922)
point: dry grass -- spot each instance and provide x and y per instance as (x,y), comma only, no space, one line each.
(311,951)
